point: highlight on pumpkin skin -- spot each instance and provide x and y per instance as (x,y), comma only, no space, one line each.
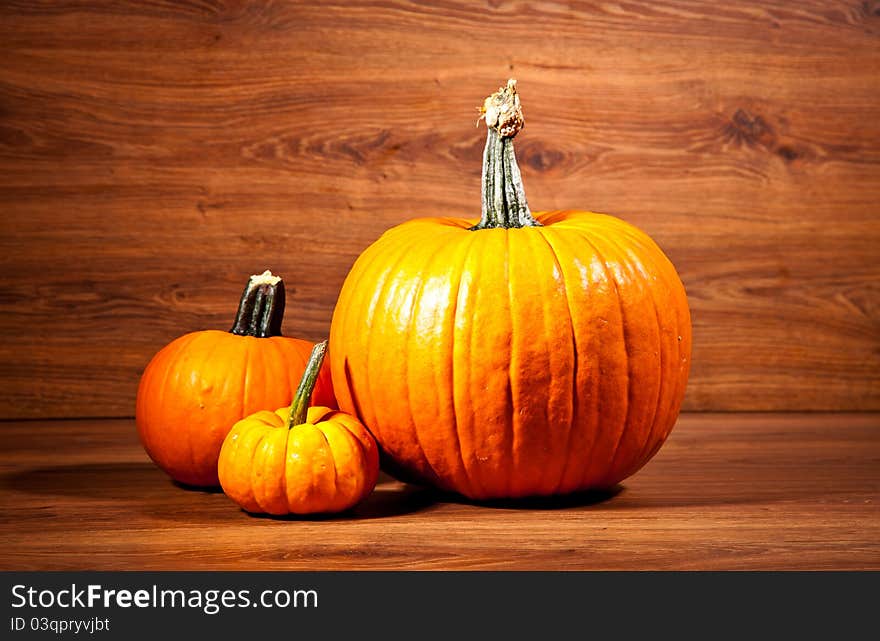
(299,459)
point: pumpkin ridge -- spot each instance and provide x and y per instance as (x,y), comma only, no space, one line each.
(564,223)
(362,450)
(375,303)
(284,469)
(346,370)
(329,415)
(627,421)
(549,315)
(512,490)
(446,401)
(372,369)
(291,506)
(523,332)
(586,417)
(639,265)
(331,455)
(229,451)
(613,283)
(370,450)
(367,482)
(242,451)
(664,383)
(482,479)
(683,330)
(550,217)
(353,295)
(251,455)
(169,367)
(188,431)
(277,460)
(253,469)
(629,263)
(168,362)
(455,413)
(543,231)
(672,283)
(487,343)
(416,302)
(528,465)
(223,345)
(509,427)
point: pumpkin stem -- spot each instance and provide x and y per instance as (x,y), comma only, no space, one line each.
(504,198)
(261,308)
(299,408)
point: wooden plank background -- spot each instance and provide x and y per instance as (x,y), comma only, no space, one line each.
(153,154)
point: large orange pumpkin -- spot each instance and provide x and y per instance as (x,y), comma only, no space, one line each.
(522,355)
(196,387)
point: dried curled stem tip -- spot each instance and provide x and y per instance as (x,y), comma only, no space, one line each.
(266,278)
(502,111)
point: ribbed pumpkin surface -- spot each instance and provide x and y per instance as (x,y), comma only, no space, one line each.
(199,385)
(513,362)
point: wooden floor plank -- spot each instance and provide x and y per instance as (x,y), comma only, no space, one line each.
(727,491)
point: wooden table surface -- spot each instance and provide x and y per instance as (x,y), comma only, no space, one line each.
(727,491)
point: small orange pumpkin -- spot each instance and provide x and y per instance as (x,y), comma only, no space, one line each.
(196,387)
(516,355)
(299,459)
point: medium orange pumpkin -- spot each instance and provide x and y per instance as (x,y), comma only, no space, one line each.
(299,459)
(196,387)
(522,355)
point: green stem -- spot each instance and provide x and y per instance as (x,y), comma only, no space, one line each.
(299,409)
(261,308)
(504,198)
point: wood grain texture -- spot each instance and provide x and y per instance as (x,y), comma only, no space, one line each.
(727,491)
(152,155)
